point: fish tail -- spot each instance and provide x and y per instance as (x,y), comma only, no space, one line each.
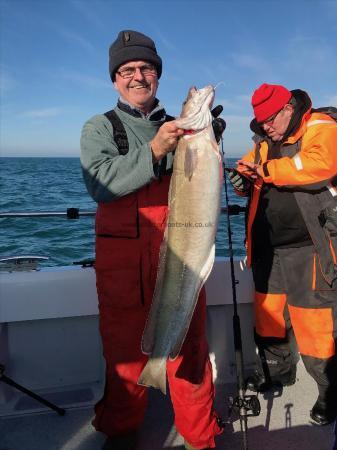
(154,374)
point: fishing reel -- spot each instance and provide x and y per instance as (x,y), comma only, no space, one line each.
(249,403)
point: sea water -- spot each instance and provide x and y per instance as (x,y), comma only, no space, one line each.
(55,184)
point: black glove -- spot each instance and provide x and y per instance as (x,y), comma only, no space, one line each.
(218,124)
(238,181)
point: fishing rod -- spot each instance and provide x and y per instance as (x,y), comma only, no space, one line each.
(247,405)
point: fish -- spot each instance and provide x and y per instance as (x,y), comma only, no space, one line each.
(187,251)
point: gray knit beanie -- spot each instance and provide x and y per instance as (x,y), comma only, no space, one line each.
(131,45)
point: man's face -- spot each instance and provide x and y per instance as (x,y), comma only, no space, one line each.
(277,125)
(137,83)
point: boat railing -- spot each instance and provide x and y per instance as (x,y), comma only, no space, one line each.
(70,213)
(31,262)
(75,213)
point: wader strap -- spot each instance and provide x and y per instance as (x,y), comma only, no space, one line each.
(120,136)
(119,132)
(169,118)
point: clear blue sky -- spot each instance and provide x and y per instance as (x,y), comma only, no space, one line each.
(54,61)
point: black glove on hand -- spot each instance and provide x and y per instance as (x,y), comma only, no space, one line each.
(218,124)
(239,182)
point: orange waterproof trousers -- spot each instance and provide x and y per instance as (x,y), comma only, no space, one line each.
(293,297)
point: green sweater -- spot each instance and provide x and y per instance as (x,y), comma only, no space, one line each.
(109,175)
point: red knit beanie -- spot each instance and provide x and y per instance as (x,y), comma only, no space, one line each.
(268,99)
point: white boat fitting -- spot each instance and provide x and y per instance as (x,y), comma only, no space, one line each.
(49,343)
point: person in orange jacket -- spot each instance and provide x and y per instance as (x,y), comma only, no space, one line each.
(290,178)
(127,158)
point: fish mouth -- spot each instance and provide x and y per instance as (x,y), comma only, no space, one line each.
(204,96)
(210,97)
(198,102)
(196,114)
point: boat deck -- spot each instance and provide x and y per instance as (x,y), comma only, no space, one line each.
(284,424)
(50,344)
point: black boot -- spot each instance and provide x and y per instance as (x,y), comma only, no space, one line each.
(323,413)
(276,363)
(258,382)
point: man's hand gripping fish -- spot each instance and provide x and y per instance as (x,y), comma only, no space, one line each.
(188,250)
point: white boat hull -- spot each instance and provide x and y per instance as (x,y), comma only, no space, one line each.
(49,342)
(51,345)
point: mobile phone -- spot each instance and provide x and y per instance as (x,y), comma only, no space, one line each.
(246,173)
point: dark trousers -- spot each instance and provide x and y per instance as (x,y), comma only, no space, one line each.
(295,305)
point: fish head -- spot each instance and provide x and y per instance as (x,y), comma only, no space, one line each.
(195,114)
(197,99)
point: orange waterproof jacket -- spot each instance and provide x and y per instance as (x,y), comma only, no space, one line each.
(309,165)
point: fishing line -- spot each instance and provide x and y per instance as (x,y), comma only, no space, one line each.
(219,84)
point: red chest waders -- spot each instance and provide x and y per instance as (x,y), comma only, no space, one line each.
(129,233)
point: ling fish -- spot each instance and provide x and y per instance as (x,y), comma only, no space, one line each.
(187,252)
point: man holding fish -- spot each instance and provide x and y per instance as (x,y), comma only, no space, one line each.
(127,160)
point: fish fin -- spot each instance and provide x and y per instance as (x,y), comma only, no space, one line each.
(191,161)
(154,374)
(148,337)
(204,274)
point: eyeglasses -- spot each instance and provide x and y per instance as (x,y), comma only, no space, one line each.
(271,119)
(129,72)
